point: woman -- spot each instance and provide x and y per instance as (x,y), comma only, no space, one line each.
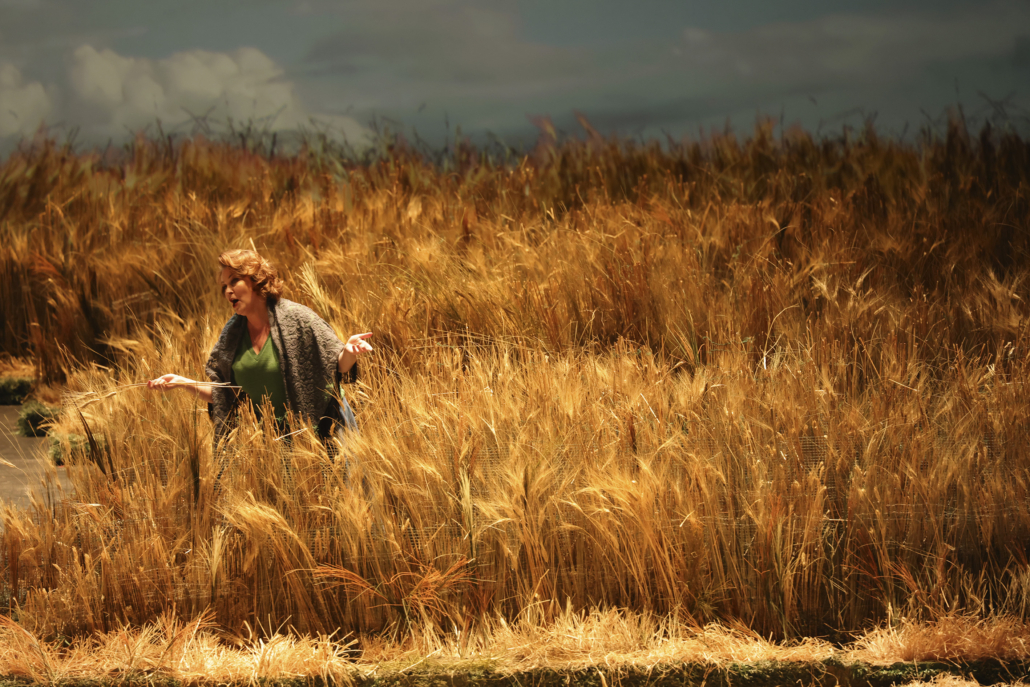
(272,350)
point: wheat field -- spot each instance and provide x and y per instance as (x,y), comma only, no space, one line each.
(777,382)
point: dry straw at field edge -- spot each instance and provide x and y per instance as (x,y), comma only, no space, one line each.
(625,640)
(193,652)
(950,638)
(947,680)
(15,367)
(190,652)
(169,648)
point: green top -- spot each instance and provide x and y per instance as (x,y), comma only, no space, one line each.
(259,375)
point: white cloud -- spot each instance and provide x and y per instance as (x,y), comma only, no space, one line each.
(23,106)
(99,77)
(119,94)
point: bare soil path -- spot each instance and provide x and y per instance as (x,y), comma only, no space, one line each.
(28,455)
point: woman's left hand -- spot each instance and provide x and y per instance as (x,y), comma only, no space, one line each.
(355,346)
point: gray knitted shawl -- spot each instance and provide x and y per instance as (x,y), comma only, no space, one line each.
(308,352)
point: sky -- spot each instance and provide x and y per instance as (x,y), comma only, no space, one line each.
(106,69)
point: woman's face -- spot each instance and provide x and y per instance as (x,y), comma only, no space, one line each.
(240,293)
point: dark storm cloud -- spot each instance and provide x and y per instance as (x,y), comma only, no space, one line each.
(670,114)
(433,44)
(856,48)
(494,67)
(1020,56)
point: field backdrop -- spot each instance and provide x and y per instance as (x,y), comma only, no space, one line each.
(779,382)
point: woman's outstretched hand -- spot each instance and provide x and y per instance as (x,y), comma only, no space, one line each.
(166,382)
(355,346)
(201,390)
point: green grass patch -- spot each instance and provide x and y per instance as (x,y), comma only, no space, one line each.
(14,389)
(35,418)
(72,448)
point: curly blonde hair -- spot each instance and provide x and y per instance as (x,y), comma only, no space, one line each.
(248,263)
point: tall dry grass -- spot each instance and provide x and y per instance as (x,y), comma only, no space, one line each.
(778,382)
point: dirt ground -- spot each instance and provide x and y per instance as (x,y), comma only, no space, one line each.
(28,456)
